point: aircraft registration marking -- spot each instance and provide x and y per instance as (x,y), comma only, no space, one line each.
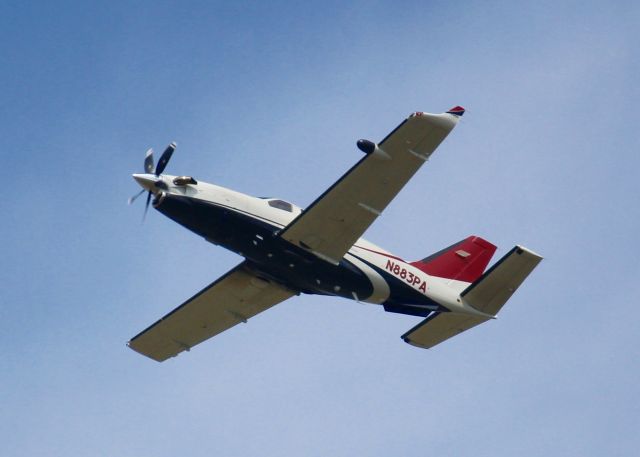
(406,276)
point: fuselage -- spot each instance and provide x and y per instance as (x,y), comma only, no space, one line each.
(249,226)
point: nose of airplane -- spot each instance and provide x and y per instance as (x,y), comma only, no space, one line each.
(146,181)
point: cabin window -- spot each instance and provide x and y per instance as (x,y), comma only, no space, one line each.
(281,204)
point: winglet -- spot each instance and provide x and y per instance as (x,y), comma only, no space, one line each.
(456,111)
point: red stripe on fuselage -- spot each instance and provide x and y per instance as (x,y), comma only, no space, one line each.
(381,253)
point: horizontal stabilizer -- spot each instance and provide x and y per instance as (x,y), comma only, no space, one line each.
(492,290)
(440,327)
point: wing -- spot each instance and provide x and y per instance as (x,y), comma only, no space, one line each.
(232,299)
(333,223)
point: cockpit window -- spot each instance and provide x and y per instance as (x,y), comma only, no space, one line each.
(281,204)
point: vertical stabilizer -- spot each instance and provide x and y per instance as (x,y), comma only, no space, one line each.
(465,260)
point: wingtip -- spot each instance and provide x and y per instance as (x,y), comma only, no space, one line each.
(456,111)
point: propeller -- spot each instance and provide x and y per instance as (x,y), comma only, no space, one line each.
(157,170)
(164,159)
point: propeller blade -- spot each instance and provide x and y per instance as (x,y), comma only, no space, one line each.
(148,161)
(164,158)
(132,199)
(146,206)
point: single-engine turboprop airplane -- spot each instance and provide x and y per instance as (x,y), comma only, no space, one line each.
(318,250)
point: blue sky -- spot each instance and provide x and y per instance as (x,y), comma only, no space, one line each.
(270,100)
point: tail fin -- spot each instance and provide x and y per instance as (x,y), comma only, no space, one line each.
(462,261)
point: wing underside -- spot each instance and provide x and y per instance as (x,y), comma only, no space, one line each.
(230,300)
(332,224)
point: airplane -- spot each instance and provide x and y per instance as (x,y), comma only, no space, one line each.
(289,251)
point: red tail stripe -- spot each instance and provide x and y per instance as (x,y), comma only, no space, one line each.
(462,261)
